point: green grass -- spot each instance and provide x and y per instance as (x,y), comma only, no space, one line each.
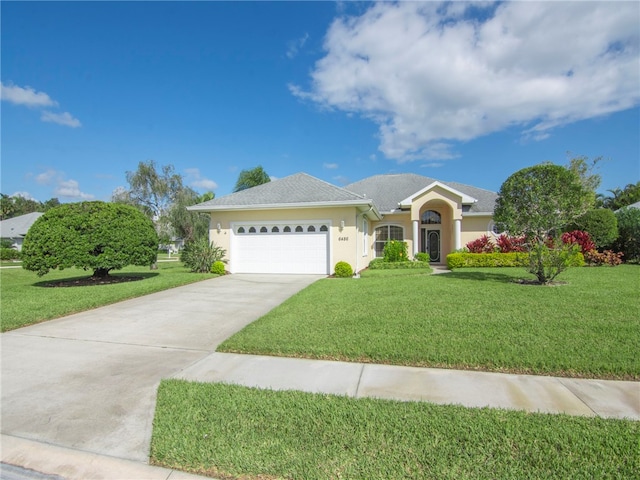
(237,432)
(26,300)
(468,319)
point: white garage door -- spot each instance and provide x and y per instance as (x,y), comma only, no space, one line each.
(302,247)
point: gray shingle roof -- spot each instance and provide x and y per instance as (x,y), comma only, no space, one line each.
(18,226)
(299,188)
(384,191)
(389,190)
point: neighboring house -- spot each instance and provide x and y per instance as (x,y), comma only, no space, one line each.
(300,224)
(633,205)
(15,229)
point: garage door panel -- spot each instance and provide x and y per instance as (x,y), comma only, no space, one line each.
(303,253)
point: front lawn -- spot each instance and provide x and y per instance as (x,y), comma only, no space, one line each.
(469,319)
(27,300)
(229,431)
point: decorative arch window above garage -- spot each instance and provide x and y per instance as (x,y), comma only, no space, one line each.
(280,228)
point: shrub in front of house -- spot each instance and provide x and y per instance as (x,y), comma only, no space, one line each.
(481,245)
(218,268)
(509,244)
(468,259)
(608,257)
(9,254)
(381,264)
(343,270)
(422,257)
(199,255)
(395,251)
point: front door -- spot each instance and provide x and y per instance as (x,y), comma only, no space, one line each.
(431,244)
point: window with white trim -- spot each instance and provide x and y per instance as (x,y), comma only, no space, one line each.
(385,233)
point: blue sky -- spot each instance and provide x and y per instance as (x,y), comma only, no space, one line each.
(458,92)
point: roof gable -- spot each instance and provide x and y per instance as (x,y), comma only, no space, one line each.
(465,199)
(389,191)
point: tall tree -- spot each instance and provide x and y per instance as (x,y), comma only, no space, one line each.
(538,202)
(186,224)
(251,178)
(585,168)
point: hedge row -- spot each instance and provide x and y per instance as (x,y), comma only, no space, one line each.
(9,254)
(380,264)
(463,259)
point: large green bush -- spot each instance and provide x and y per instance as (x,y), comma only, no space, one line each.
(601,225)
(628,241)
(199,255)
(94,236)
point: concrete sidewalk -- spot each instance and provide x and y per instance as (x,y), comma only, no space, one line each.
(571,396)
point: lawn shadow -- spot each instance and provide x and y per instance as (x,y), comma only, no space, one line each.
(461,274)
(89,281)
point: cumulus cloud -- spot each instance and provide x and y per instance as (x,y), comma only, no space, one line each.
(294,46)
(25,195)
(26,96)
(330,166)
(64,118)
(71,189)
(430,74)
(62,187)
(195,179)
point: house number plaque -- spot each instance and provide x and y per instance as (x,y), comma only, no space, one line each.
(343,239)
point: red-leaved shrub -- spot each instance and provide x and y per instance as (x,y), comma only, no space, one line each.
(508,244)
(481,245)
(608,257)
(581,238)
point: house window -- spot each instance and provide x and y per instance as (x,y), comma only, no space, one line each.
(431,217)
(241,230)
(324,228)
(287,229)
(299,229)
(386,233)
(252,230)
(275,229)
(263,230)
(311,228)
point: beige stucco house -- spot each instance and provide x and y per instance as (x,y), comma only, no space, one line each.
(301,224)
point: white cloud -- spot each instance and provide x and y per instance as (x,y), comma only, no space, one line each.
(433,165)
(26,96)
(431,74)
(45,178)
(330,166)
(26,195)
(70,189)
(195,179)
(64,118)
(294,46)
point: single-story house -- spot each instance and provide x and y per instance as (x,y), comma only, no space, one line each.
(301,224)
(16,228)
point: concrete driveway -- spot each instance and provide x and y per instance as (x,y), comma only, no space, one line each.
(88,381)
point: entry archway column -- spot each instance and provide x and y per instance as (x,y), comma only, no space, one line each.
(457,223)
(416,232)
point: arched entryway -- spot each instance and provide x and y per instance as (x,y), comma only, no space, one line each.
(431,235)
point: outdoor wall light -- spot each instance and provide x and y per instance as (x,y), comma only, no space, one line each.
(341,225)
(219,227)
